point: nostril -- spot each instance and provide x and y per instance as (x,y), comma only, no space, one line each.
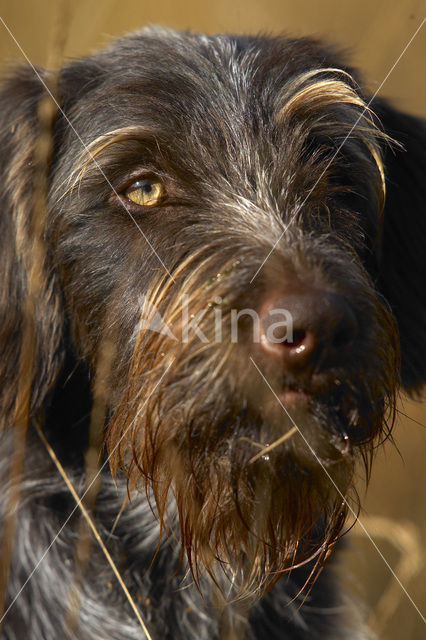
(297,339)
(300,351)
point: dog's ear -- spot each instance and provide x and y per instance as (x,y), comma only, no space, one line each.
(402,246)
(20,94)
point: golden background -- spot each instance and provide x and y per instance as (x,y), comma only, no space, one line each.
(375,34)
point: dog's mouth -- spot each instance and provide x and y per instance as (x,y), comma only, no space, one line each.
(324,417)
(254,470)
(295,398)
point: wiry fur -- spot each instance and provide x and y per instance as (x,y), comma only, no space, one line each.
(246,136)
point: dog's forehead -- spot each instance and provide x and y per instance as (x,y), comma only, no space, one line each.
(183,81)
(223,113)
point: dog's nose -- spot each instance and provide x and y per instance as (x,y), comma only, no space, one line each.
(310,329)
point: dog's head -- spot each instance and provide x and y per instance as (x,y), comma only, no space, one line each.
(234,218)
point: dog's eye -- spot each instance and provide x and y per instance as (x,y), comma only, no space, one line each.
(146,192)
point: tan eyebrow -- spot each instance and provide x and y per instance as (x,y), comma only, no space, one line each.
(97,146)
(300,96)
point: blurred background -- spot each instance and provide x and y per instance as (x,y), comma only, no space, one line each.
(375,35)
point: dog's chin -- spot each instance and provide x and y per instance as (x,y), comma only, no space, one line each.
(254,517)
(255,495)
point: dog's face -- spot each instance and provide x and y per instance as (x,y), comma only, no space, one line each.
(222,180)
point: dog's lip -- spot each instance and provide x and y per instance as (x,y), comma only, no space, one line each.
(319,388)
(318,385)
(292,397)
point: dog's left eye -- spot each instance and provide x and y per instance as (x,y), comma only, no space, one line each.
(146,192)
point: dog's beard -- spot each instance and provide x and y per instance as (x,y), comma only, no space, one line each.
(245,515)
(193,422)
(192,427)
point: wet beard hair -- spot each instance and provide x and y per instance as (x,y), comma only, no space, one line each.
(187,430)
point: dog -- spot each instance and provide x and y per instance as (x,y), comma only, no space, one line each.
(228,268)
